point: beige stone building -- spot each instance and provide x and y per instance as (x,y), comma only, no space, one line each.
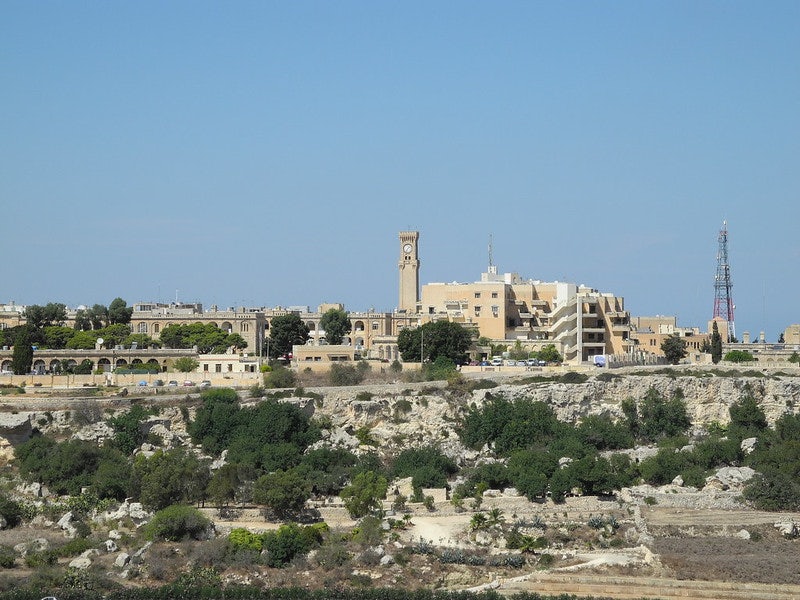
(580,321)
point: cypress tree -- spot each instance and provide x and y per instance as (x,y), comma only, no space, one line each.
(716,344)
(22,357)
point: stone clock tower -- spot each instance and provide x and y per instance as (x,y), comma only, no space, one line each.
(409,271)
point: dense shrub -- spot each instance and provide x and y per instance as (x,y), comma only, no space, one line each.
(280,377)
(291,540)
(428,466)
(511,426)
(345,375)
(178,522)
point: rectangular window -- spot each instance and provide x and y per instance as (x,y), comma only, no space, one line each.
(218,368)
(477,294)
(205,368)
(494,294)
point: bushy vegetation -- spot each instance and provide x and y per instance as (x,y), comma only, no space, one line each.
(178,522)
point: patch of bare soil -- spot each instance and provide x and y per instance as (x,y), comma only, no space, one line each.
(768,559)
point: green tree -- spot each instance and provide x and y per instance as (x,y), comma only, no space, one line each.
(661,417)
(98,316)
(739,356)
(716,344)
(57,336)
(207,337)
(284,332)
(336,324)
(747,418)
(82,320)
(119,312)
(364,494)
(290,540)
(39,317)
(85,368)
(114,335)
(674,349)
(283,492)
(186,364)
(173,477)
(22,356)
(142,340)
(435,339)
(549,354)
(794,358)
(178,522)
(82,340)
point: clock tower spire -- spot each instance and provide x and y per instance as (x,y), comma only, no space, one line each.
(409,271)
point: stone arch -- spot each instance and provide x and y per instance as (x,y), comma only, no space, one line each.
(71,363)
(39,366)
(136,361)
(226,327)
(156,328)
(6,365)
(358,326)
(359,342)
(311,326)
(121,362)
(104,365)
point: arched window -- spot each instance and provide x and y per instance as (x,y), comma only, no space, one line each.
(156,328)
(142,327)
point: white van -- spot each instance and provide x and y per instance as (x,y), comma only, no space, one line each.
(497,361)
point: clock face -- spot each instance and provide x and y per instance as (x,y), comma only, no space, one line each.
(407,248)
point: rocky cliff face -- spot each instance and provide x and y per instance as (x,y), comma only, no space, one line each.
(418,415)
(394,417)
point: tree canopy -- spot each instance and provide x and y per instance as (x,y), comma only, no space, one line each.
(438,338)
(674,349)
(208,338)
(284,332)
(336,324)
(716,344)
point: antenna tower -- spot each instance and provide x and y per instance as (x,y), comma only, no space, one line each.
(723,300)
(492,268)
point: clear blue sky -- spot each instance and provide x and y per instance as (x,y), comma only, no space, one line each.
(267,153)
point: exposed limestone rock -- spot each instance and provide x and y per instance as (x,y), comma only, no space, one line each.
(788,529)
(122,560)
(748,445)
(127,510)
(16,427)
(730,478)
(66,524)
(110,546)
(96,433)
(80,563)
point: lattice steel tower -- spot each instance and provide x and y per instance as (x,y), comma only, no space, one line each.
(723,300)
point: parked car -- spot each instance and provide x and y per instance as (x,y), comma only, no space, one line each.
(188,383)
(157,383)
(172,383)
(205,384)
(484,363)
(142,383)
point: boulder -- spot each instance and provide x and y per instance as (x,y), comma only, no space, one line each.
(122,560)
(748,445)
(80,563)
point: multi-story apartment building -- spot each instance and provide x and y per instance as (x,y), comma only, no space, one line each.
(580,321)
